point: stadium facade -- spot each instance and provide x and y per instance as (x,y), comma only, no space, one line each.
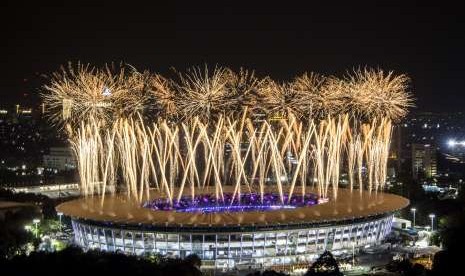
(227,240)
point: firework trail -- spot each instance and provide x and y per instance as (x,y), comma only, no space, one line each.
(133,132)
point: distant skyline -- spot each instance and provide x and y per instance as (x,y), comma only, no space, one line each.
(426,42)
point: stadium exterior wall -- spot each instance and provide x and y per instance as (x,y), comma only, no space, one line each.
(228,247)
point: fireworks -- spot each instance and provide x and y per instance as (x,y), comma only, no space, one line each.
(244,89)
(204,95)
(135,131)
(84,93)
(375,94)
(162,98)
(200,157)
(314,102)
(280,99)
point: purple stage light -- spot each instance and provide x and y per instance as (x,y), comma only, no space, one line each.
(248,202)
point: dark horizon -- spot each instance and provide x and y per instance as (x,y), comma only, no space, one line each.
(424,41)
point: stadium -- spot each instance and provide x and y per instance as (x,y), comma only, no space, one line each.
(225,240)
(237,169)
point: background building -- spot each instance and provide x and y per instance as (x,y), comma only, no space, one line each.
(424,161)
(60,159)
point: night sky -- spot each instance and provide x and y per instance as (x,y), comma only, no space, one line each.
(425,41)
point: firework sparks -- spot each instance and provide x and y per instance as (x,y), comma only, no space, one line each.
(204,95)
(375,94)
(200,133)
(84,93)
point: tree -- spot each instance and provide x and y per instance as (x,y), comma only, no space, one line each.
(75,262)
(325,265)
(267,273)
(405,267)
(13,237)
(193,260)
(449,261)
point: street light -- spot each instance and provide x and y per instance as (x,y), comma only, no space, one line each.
(432,216)
(36,222)
(353,255)
(413,210)
(60,214)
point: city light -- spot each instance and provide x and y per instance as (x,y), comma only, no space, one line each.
(451,143)
(454,143)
